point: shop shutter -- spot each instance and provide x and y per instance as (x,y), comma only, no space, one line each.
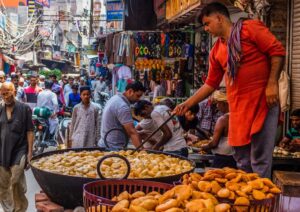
(295,55)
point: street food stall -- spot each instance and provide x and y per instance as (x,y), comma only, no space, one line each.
(62,174)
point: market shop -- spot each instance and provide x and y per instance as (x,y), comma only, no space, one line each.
(173,57)
(152,57)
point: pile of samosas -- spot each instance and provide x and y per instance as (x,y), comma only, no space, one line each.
(218,190)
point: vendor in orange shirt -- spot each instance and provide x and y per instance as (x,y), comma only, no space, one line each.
(251,58)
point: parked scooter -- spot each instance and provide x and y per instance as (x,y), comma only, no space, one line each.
(42,138)
(63,127)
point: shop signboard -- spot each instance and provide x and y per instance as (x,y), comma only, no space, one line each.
(14,18)
(23,15)
(114,10)
(44,3)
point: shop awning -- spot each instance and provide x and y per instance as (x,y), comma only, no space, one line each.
(192,12)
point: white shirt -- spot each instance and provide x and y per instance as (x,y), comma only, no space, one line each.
(67,91)
(223,148)
(160,114)
(48,99)
(149,126)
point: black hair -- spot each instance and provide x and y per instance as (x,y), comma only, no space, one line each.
(140,106)
(14,76)
(48,84)
(75,86)
(296,112)
(187,125)
(53,75)
(195,109)
(85,88)
(169,103)
(135,86)
(212,8)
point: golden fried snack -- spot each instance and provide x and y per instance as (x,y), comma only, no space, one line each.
(246,189)
(241,208)
(246,178)
(256,184)
(197,195)
(215,187)
(137,194)
(139,200)
(219,172)
(84,163)
(167,195)
(223,207)
(194,185)
(221,180)
(223,193)
(265,189)
(204,186)
(174,210)
(232,195)
(232,186)
(231,176)
(258,195)
(212,176)
(153,193)
(268,182)
(149,204)
(242,201)
(170,203)
(194,205)
(241,193)
(275,190)
(209,204)
(252,176)
(121,206)
(136,208)
(182,192)
(124,195)
(195,177)
(237,178)
(270,196)
(206,195)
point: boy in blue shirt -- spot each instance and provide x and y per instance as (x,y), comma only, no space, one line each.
(74,97)
(291,141)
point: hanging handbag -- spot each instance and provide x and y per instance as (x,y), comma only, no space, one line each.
(284,91)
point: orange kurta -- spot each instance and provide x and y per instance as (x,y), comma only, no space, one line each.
(246,95)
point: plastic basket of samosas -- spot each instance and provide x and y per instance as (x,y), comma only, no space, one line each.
(103,195)
(242,191)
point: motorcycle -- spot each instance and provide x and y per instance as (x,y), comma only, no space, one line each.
(42,138)
(101,99)
(63,127)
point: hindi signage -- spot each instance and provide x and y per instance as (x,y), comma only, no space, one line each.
(114,11)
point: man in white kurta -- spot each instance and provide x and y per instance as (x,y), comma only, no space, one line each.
(85,125)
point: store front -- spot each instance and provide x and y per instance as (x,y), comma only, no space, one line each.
(294,53)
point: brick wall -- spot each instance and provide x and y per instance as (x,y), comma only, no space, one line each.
(277,20)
